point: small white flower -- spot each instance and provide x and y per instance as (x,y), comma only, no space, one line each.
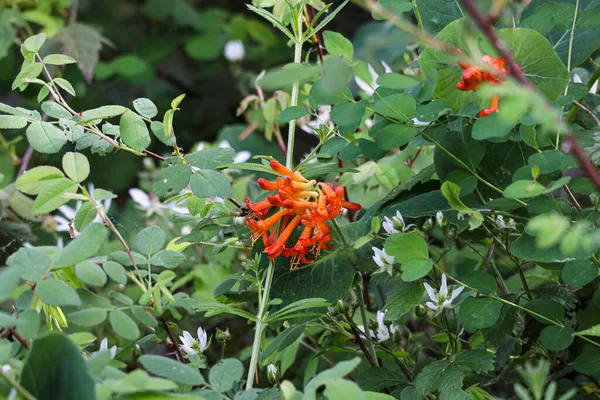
(6,369)
(369,88)
(384,261)
(194,346)
(383,332)
(439,219)
(440,299)
(152,204)
(395,224)
(508,224)
(234,50)
(240,156)
(104,346)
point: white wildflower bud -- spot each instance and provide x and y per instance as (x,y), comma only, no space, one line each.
(234,50)
(273,373)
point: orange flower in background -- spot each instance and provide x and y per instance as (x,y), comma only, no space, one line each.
(301,203)
(474,76)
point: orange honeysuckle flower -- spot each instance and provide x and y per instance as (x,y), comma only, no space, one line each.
(300,202)
(474,76)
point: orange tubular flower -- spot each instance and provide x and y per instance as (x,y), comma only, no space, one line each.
(474,76)
(301,202)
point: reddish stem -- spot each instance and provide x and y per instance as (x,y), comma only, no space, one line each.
(177,349)
(19,338)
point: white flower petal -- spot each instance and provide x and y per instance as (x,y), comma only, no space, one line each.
(140,197)
(444,288)
(430,292)
(188,349)
(431,305)
(364,86)
(386,67)
(456,292)
(104,344)
(202,338)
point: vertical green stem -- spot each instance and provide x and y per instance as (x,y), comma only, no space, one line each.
(18,388)
(295,88)
(365,321)
(264,301)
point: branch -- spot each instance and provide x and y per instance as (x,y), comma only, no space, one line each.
(177,349)
(485,24)
(584,161)
(25,161)
(587,110)
(19,338)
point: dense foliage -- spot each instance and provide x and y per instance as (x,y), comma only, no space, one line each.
(410,214)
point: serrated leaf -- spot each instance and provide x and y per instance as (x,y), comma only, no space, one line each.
(103,112)
(84,217)
(115,271)
(172,180)
(222,376)
(84,246)
(145,107)
(134,131)
(12,122)
(410,250)
(34,180)
(90,273)
(403,298)
(150,240)
(59,59)
(206,183)
(65,85)
(45,137)
(34,43)
(76,166)
(171,369)
(57,293)
(52,195)
(167,259)
(211,158)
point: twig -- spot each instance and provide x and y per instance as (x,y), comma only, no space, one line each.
(490,256)
(25,161)
(485,24)
(361,345)
(587,110)
(177,349)
(410,162)
(19,338)
(311,12)
(584,161)
(573,199)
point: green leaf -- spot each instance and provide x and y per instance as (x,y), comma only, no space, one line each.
(286,76)
(59,59)
(376,379)
(492,126)
(282,341)
(8,320)
(143,316)
(593,331)
(325,21)
(82,247)
(170,181)
(437,14)
(45,137)
(57,293)
(145,107)
(85,216)
(548,229)
(32,263)
(90,273)
(555,338)
(223,375)
(579,272)
(88,317)
(123,325)
(51,196)
(167,259)
(65,85)
(150,240)
(12,122)
(171,369)
(550,309)
(76,166)
(400,106)
(204,47)
(207,183)
(337,45)
(158,129)
(273,20)
(103,112)
(481,281)
(211,158)
(479,312)
(34,43)
(31,71)
(291,113)
(55,110)
(396,81)
(523,189)
(451,192)
(134,131)
(340,370)
(588,361)
(83,43)
(36,179)
(115,271)
(395,135)
(66,377)
(410,250)
(402,299)
(9,280)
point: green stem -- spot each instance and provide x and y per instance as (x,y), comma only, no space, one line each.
(260,325)
(18,388)
(417,14)
(365,321)
(294,100)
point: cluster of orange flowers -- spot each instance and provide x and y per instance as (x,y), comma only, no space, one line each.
(300,202)
(474,76)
